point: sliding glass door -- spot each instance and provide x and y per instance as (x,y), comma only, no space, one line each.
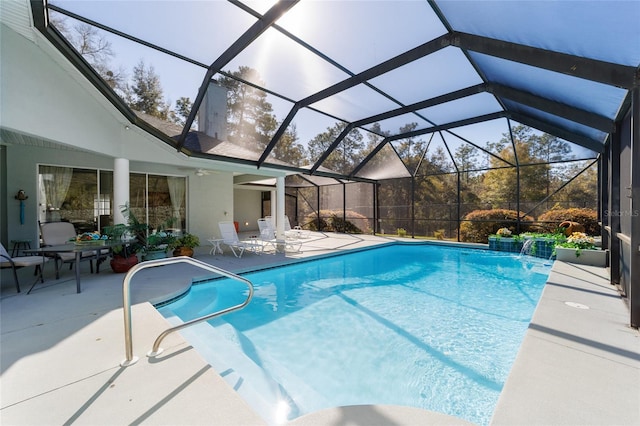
(84,198)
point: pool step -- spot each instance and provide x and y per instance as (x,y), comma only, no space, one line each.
(259,383)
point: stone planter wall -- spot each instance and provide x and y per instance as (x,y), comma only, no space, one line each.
(586,257)
(506,244)
(543,248)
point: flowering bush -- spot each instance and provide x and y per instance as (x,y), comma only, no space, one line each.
(503,232)
(579,241)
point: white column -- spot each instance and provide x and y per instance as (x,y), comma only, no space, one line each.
(280,208)
(120,188)
(274,210)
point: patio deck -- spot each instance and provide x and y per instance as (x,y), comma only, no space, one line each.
(60,354)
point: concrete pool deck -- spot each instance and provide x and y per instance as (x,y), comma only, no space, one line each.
(61,352)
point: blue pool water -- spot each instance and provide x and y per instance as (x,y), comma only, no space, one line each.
(415,325)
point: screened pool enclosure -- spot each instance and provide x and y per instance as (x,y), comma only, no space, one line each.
(414,117)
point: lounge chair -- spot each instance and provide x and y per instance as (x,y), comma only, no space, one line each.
(270,232)
(230,239)
(14,263)
(296,232)
(58,233)
(291,233)
(267,234)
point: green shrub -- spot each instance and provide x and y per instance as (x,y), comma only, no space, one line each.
(479,224)
(311,222)
(332,221)
(585,217)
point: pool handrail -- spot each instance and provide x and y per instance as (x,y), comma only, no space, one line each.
(126,303)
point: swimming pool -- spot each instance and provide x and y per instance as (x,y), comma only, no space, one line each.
(416,325)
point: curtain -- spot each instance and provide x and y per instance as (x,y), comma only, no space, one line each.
(177,189)
(55,182)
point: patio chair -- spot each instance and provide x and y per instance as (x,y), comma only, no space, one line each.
(296,231)
(15,263)
(230,238)
(292,233)
(270,233)
(267,234)
(57,233)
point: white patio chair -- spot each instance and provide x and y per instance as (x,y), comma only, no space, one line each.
(289,243)
(230,239)
(15,263)
(267,234)
(294,233)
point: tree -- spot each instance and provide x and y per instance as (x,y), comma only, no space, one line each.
(347,154)
(466,159)
(251,122)
(95,49)
(181,112)
(500,184)
(288,149)
(583,190)
(550,148)
(147,92)
(410,150)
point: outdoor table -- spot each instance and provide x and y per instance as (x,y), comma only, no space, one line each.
(78,249)
(20,245)
(215,242)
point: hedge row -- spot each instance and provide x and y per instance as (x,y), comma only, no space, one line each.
(585,217)
(486,222)
(482,223)
(332,221)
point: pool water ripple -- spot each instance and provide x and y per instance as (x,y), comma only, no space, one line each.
(424,326)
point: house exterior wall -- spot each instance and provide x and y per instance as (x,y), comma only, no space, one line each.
(247,209)
(207,197)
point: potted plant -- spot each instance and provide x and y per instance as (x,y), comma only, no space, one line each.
(152,245)
(136,239)
(124,255)
(157,244)
(184,244)
(581,248)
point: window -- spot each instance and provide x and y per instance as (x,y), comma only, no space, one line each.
(84,198)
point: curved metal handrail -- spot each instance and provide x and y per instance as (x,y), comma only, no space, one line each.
(126,302)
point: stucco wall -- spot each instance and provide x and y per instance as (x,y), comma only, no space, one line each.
(207,197)
(247,209)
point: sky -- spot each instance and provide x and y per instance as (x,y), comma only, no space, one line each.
(201,30)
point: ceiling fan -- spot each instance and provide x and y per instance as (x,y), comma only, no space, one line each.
(198,171)
(204,172)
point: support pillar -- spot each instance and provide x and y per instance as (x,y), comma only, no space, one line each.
(634,266)
(120,188)
(280,211)
(274,211)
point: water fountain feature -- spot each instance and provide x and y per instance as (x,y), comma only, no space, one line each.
(528,247)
